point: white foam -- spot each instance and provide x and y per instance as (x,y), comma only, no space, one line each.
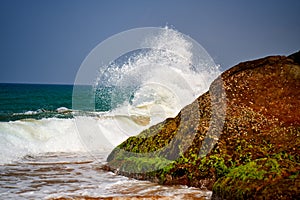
(63,110)
(30,136)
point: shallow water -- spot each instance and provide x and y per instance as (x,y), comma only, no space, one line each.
(79,175)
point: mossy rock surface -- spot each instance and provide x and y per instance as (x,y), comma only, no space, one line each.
(263,178)
(255,154)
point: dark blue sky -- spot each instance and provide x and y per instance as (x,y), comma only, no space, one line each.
(46,41)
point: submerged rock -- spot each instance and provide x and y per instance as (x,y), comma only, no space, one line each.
(241,138)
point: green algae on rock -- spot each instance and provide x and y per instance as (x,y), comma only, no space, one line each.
(255,154)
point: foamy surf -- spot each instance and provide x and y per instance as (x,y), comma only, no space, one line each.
(77,176)
(31,136)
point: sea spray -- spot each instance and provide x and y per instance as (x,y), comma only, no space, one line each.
(156,82)
(168,65)
(161,72)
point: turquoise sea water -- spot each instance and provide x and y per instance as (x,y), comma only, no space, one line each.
(19,101)
(38,101)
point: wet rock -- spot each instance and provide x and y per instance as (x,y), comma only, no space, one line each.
(241,138)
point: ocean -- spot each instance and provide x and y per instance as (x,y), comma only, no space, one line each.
(55,138)
(42,156)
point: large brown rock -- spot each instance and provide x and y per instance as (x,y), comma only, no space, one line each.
(241,138)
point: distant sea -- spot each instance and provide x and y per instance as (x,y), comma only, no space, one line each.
(21,101)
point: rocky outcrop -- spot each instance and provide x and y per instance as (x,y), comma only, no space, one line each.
(241,138)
